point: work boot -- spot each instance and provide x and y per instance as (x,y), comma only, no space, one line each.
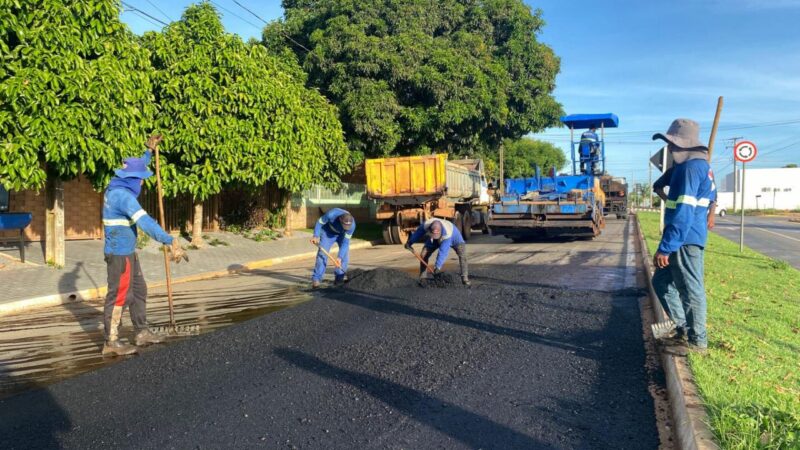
(314,284)
(700,350)
(338,281)
(146,337)
(117,348)
(466,282)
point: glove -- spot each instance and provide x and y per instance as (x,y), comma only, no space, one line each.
(408,246)
(315,240)
(437,273)
(178,253)
(153,141)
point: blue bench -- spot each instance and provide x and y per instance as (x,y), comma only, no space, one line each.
(16,221)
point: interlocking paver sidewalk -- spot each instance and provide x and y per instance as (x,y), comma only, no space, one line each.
(85,268)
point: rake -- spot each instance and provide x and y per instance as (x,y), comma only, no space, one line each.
(172,329)
(663,330)
(427,266)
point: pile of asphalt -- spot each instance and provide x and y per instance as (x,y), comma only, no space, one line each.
(503,365)
(381,279)
(378,279)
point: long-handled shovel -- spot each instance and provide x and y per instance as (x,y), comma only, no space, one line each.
(335,260)
(427,266)
(172,329)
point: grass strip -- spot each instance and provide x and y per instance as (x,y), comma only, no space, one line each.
(750,378)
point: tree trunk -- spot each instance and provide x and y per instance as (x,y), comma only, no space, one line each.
(197,224)
(54,223)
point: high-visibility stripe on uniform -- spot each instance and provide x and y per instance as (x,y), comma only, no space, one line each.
(117,222)
(688,200)
(322,221)
(347,236)
(138,215)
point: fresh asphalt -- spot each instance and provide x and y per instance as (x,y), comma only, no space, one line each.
(776,237)
(545,351)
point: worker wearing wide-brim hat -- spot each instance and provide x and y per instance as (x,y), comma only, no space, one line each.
(123,217)
(678,279)
(443,236)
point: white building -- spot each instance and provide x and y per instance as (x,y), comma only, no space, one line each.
(764,189)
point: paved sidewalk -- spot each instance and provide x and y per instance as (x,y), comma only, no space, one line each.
(86,270)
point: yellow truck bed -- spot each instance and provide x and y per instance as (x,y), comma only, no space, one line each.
(409,176)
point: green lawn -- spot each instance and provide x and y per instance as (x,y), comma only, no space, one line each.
(365,231)
(750,378)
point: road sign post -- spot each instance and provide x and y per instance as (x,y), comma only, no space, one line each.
(744,152)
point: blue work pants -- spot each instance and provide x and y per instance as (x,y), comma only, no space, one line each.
(680,289)
(326,240)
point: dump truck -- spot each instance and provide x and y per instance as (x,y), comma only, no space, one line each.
(616,191)
(558,205)
(413,189)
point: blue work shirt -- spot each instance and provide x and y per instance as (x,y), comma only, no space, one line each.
(450,237)
(589,136)
(122,215)
(330,223)
(691,191)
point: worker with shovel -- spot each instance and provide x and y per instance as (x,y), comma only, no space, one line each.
(122,218)
(336,225)
(443,235)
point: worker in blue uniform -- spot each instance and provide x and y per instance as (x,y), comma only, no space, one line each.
(589,146)
(678,279)
(123,217)
(336,225)
(443,235)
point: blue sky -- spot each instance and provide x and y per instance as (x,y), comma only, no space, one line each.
(646,61)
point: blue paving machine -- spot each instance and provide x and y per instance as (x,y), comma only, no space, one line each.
(559,205)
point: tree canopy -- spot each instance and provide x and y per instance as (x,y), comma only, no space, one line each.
(415,76)
(521,156)
(232,112)
(75,93)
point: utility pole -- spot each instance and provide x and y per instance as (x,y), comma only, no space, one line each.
(650,182)
(735,184)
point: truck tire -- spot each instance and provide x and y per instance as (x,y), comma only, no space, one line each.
(399,236)
(387,233)
(466,225)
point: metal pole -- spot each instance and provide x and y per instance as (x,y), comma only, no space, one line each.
(572,147)
(650,182)
(735,185)
(603,145)
(663,203)
(741,223)
(502,174)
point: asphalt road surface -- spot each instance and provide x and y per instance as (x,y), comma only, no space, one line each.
(773,236)
(545,351)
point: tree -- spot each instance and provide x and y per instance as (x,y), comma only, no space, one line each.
(415,76)
(75,98)
(790,166)
(232,113)
(523,154)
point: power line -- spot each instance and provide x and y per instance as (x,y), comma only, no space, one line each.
(235,15)
(159,10)
(722,128)
(282,33)
(131,8)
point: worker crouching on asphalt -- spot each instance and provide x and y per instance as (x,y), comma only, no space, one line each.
(336,225)
(678,279)
(443,235)
(122,218)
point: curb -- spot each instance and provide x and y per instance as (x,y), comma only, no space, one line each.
(99,292)
(688,410)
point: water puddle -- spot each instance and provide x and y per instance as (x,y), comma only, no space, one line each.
(47,345)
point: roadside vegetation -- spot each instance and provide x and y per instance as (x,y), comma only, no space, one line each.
(750,378)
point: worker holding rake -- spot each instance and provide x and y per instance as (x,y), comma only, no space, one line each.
(443,235)
(336,225)
(122,218)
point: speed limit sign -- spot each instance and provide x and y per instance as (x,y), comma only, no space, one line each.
(745,151)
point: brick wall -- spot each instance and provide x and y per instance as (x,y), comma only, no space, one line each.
(82,211)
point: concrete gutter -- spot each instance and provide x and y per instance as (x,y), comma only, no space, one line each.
(100,292)
(688,411)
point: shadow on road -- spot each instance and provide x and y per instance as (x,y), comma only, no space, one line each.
(469,428)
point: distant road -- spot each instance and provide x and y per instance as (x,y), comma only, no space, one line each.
(773,236)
